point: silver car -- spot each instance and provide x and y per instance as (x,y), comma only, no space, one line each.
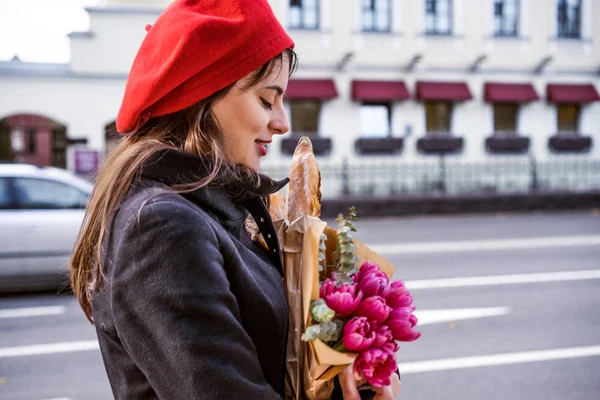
(41,211)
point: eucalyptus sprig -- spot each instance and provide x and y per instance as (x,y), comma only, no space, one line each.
(326,331)
(345,259)
(322,249)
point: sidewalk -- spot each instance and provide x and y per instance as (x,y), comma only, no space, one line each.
(400,205)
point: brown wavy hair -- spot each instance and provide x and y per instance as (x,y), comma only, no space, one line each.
(193,130)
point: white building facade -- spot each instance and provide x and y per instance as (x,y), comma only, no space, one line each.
(389,82)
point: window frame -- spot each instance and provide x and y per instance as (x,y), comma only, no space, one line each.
(517,18)
(388,106)
(577,120)
(446,133)
(302,24)
(31,140)
(372,9)
(435,31)
(298,133)
(506,133)
(563,27)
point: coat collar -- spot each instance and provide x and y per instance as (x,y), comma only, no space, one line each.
(229,199)
(226,197)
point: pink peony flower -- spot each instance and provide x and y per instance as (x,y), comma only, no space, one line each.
(374,283)
(401,321)
(376,365)
(398,296)
(390,346)
(358,334)
(342,299)
(366,268)
(374,309)
(383,334)
(385,340)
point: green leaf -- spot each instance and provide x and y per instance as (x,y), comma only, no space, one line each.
(320,311)
(343,278)
(326,331)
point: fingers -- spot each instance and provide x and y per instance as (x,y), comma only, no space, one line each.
(384,393)
(388,392)
(396,385)
(348,384)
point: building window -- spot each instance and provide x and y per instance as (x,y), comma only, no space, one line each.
(59,146)
(377,16)
(437,118)
(31,142)
(305,117)
(375,120)
(506,17)
(569,19)
(505,119)
(304,14)
(438,17)
(568,118)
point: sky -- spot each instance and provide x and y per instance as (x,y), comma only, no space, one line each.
(36,30)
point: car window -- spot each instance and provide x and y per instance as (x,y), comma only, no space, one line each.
(4,195)
(45,194)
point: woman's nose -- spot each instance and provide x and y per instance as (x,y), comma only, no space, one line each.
(280,124)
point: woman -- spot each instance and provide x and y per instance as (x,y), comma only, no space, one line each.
(185,305)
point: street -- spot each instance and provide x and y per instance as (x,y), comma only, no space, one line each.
(508,308)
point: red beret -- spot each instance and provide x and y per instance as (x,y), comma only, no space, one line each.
(194,49)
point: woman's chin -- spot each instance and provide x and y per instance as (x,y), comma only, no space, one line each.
(253,165)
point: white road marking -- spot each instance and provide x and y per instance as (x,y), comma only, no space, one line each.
(32,311)
(49,348)
(427,317)
(497,359)
(61,398)
(502,279)
(487,245)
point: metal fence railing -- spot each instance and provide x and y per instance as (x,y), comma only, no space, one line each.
(445,176)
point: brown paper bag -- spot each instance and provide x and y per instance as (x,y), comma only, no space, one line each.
(311,366)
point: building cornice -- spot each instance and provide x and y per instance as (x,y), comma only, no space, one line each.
(47,70)
(401,69)
(143,10)
(84,35)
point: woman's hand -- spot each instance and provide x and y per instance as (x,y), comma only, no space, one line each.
(350,382)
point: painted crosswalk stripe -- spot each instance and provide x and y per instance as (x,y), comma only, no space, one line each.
(497,359)
(491,280)
(49,348)
(486,245)
(59,398)
(427,317)
(32,311)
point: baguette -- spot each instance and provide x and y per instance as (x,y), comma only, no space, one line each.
(277,206)
(304,190)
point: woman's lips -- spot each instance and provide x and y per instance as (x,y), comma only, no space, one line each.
(262,147)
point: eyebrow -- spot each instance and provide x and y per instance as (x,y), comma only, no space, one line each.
(276,88)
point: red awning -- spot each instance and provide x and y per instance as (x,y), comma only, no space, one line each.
(379,90)
(451,91)
(509,92)
(311,89)
(558,93)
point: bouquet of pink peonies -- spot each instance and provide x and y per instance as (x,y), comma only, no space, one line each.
(359,310)
(342,307)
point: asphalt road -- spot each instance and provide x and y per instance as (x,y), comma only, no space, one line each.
(508,307)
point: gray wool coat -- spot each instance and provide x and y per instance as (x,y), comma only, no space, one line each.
(191,308)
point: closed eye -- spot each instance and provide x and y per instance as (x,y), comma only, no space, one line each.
(266,104)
